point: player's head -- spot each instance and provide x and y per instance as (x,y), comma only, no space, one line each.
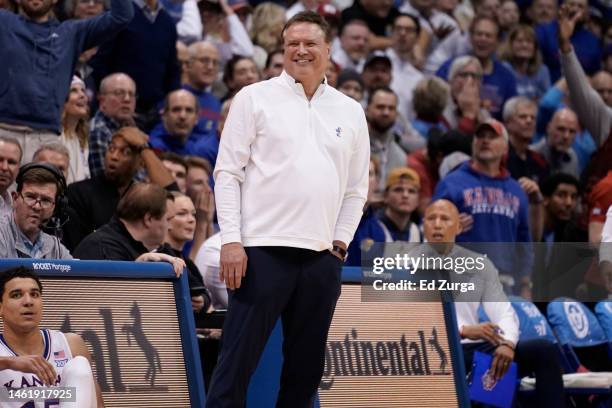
(20,299)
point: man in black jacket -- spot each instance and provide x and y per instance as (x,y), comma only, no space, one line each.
(92,202)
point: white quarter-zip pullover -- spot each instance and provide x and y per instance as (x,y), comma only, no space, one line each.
(291,172)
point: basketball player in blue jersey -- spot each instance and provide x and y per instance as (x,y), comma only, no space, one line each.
(35,357)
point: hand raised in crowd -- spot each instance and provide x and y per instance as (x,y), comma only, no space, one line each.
(568,17)
(205,206)
(502,357)
(484,331)
(443,31)
(177,263)
(134,136)
(36,365)
(531,188)
(468,100)
(233,264)
(226,8)
(466,221)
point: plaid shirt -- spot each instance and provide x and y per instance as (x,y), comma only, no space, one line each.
(101,129)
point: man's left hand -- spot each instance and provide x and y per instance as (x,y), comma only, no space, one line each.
(502,357)
(177,263)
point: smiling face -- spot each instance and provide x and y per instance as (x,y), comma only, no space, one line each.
(306,52)
(21,307)
(77,105)
(484,39)
(523,46)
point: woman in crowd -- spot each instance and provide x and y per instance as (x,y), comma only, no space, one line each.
(181,229)
(521,55)
(268,22)
(75,130)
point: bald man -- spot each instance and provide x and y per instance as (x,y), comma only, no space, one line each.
(557,146)
(500,335)
(201,70)
(117,99)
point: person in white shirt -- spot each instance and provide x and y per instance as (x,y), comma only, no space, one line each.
(291,181)
(31,355)
(353,45)
(500,335)
(405,76)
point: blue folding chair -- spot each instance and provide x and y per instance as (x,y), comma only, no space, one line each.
(603,311)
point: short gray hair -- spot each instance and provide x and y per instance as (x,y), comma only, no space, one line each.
(13,141)
(512,105)
(460,63)
(56,147)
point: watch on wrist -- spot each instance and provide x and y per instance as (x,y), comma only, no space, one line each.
(340,250)
(144,146)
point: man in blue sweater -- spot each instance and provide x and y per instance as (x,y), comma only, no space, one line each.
(586,44)
(146,51)
(201,71)
(177,133)
(38,55)
(493,206)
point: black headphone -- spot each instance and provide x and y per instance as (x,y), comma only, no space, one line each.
(61,201)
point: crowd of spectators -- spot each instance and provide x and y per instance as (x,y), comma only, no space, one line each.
(118,92)
(503,108)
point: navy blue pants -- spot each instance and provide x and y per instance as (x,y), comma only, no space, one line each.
(298,285)
(537,358)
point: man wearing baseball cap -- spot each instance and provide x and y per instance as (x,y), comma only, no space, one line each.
(401,198)
(493,207)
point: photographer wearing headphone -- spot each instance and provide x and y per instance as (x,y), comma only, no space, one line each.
(37,201)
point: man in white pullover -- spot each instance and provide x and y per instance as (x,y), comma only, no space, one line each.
(291,181)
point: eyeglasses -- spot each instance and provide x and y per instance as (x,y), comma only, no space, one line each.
(466,75)
(122,93)
(32,199)
(207,61)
